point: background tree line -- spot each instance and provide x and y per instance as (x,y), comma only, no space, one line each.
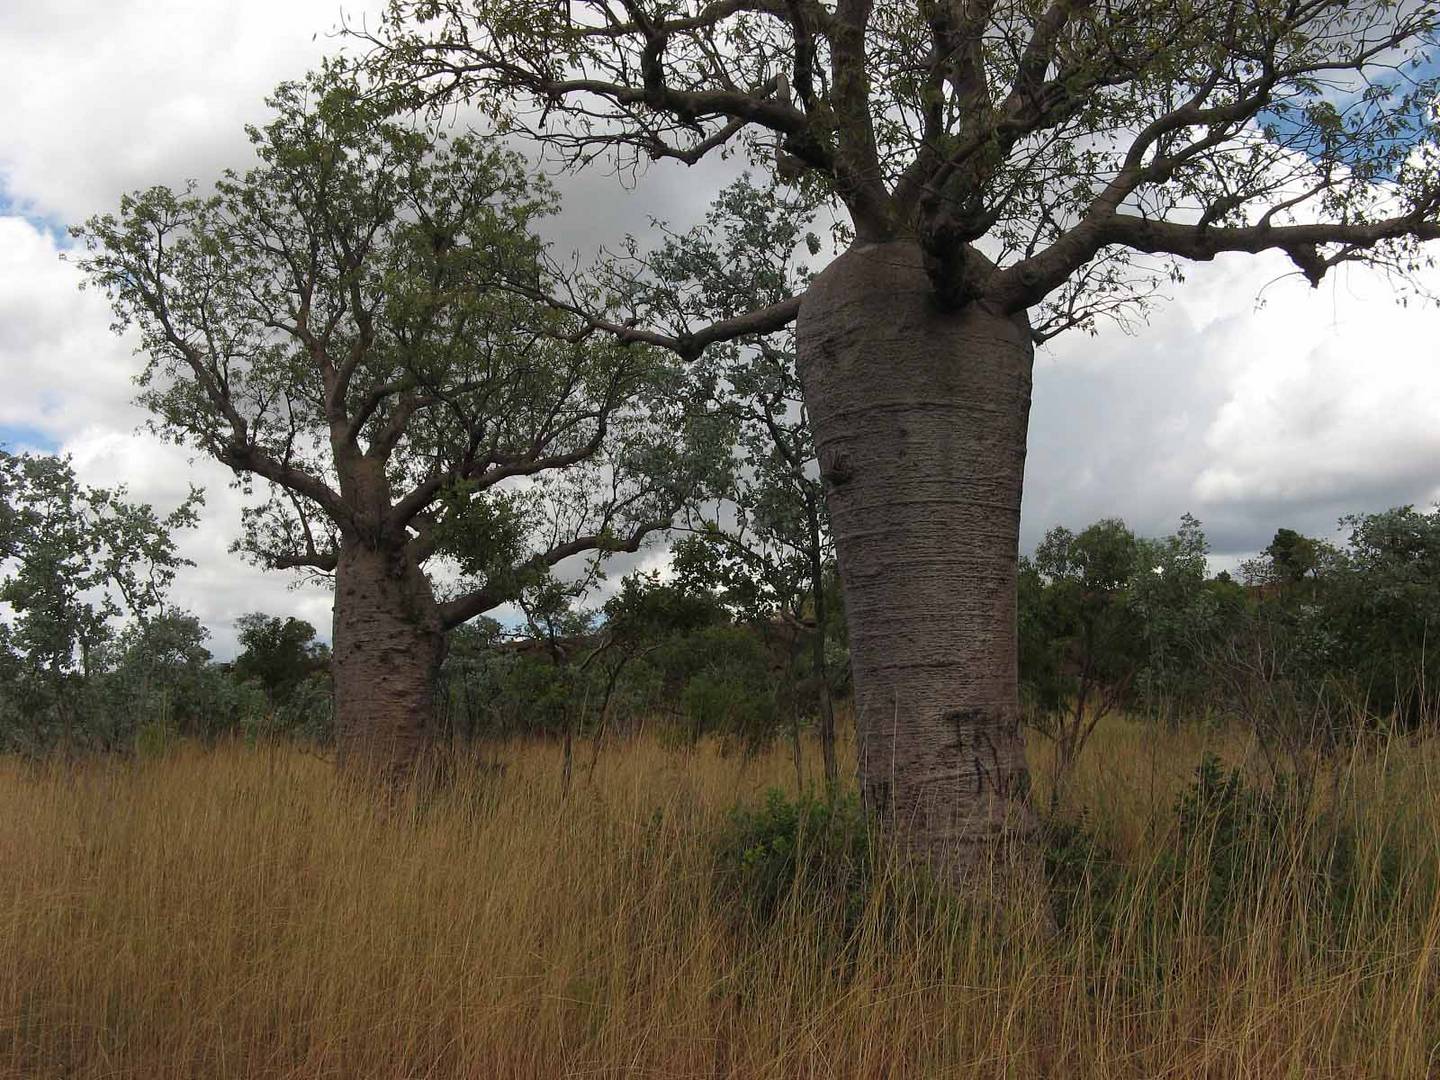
(1308,643)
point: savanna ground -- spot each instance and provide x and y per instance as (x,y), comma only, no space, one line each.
(231,912)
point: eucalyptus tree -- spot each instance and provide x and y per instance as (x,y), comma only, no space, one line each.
(1081,642)
(762,538)
(1005,170)
(326,323)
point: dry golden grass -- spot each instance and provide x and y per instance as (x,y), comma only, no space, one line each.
(230,912)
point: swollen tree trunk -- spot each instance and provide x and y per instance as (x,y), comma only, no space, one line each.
(919,417)
(389,642)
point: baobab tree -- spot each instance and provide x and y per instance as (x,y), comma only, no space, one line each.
(327,323)
(1005,170)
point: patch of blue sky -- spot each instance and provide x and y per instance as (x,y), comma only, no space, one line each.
(1417,122)
(48,224)
(19,438)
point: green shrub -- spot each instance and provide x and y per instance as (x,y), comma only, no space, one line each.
(1084,877)
(1239,833)
(1235,844)
(153,739)
(812,857)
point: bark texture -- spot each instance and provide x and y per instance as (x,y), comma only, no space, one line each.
(920,416)
(389,643)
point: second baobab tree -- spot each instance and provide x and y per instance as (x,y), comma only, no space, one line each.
(327,323)
(1004,169)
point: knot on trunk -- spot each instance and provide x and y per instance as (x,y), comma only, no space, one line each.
(838,471)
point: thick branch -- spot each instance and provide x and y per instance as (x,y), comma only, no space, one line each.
(320,560)
(527,464)
(1026,283)
(464,608)
(247,457)
(688,346)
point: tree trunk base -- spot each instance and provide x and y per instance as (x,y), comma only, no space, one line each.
(388,647)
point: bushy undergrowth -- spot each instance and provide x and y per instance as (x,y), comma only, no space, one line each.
(1234,845)
(814,854)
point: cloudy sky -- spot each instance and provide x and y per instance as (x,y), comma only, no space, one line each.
(1250,400)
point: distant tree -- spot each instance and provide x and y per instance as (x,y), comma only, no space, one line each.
(74,561)
(1084,643)
(1109,620)
(1004,171)
(327,322)
(1382,600)
(760,537)
(160,677)
(1294,557)
(1183,613)
(278,654)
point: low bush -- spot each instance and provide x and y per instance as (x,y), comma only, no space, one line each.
(808,856)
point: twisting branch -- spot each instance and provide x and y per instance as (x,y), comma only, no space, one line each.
(477,602)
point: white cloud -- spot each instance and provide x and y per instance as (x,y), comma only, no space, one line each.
(1316,403)
(65,376)
(219,588)
(158,93)
(1339,398)
(54,340)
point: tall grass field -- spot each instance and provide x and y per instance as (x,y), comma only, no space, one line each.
(233,912)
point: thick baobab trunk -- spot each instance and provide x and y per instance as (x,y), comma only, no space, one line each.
(919,416)
(389,643)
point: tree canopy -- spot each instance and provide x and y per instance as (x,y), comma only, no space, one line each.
(327,321)
(1064,152)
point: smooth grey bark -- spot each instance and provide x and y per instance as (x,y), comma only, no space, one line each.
(389,642)
(919,416)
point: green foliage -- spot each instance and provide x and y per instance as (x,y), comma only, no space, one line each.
(307,712)
(646,609)
(1321,640)
(1085,879)
(759,532)
(1238,832)
(279,655)
(74,562)
(1383,598)
(1181,612)
(1077,632)
(1293,556)
(1086,149)
(724,683)
(354,321)
(92,657)
(160,673)
(659,652)
(1234,845)
(809,857)
(153,740)
(1340,634)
